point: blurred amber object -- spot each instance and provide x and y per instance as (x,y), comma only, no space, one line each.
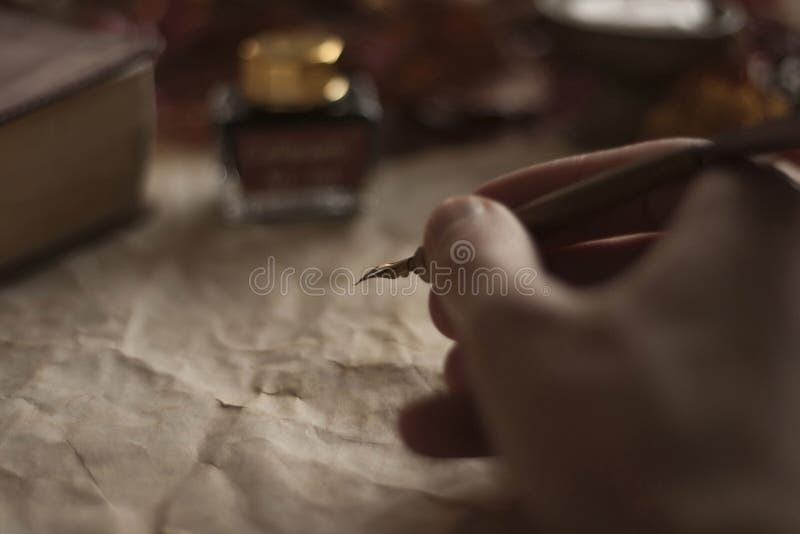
(291,69)
(707,105)
(416,48)
(297,135)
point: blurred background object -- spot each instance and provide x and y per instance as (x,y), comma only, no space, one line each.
(670,67)
(605,72)
(453,69)
(444,69)
(297,133)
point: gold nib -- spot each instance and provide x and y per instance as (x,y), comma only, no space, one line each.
(390,270)
(398,269)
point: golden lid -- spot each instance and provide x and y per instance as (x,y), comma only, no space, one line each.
(292,69)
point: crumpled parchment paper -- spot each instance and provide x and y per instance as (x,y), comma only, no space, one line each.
(145,386)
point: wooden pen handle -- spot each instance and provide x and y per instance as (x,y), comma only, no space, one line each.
(608,188)
(621,184)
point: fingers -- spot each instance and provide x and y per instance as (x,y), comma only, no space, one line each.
(454,372)
(485,315)
(595,262)
(739,214)
(643,215)
(493,241)
(444,426)
(447,424)
(528,184)
(583,264)
(478,252)
(742,194)
(646,213)
(439,316)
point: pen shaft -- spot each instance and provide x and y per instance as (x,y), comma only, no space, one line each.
(608,188)
(621,184)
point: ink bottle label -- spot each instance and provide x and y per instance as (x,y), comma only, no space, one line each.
(297,136)
(306,157)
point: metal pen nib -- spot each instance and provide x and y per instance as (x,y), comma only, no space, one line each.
(398,269)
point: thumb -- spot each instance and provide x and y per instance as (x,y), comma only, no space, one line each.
(479,254)
(522,352)
(510,341)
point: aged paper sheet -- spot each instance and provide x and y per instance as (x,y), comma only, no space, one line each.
(146,386)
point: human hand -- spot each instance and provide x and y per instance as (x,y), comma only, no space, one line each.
(640,387)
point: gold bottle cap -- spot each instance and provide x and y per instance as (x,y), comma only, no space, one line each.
(292,69)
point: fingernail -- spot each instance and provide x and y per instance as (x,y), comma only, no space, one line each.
(451,212)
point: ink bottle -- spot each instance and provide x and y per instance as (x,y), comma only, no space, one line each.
(297,135)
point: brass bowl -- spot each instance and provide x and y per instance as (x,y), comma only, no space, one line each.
(641,54)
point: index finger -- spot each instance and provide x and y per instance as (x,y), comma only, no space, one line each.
(524,185)
(644,214)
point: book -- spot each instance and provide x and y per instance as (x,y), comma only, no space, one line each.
(77,123)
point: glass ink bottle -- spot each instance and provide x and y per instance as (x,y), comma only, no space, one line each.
(298,135)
